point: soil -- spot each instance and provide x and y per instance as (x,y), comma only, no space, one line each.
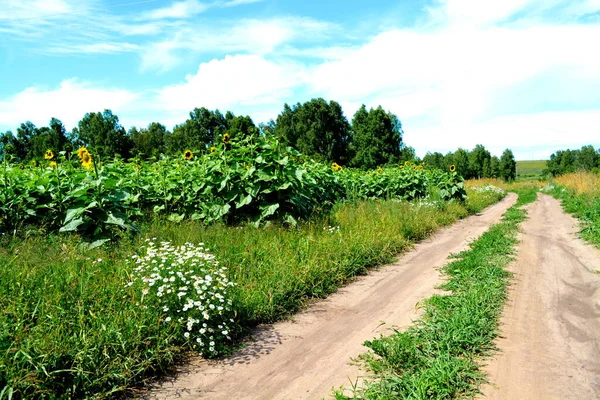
(551,324)
(309,355)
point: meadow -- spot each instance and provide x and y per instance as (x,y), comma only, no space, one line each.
(530,170)
(113,272)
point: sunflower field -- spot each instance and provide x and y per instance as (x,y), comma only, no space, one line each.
(252,180)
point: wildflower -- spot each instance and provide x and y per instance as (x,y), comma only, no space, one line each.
(336,167)
(49,155)
(53,164)
(188,155)
(452,168)
(226,138)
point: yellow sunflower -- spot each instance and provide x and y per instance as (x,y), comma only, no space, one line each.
(414,167)
(226,138)
(81,151)
(53,164)
(406,163)
(188,155)
(452,168)
(86,160)
(49,155)
(34,163)
(379,171)
(336,167)
(420,168)
(213,150)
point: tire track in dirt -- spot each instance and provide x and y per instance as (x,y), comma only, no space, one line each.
(305,357)
(550,329)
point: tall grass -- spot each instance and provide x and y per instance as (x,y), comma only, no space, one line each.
(69,328)
(580,195)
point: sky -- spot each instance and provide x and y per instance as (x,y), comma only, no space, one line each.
(517,74)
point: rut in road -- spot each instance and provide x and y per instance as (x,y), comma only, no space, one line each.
(550,328)
(305,357)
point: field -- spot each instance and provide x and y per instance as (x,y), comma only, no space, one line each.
(113,272)
(528,170)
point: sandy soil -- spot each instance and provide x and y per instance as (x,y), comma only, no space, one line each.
(551,324)
(305,357)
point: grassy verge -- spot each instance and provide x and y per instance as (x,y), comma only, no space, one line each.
(580,196)
(437,358)
(69,329)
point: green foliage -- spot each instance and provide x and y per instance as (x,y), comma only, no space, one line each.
(317,129)
(149,143)
(104,135)
(530,169)
(71,327)
(508,166)
(567,161)
(377,138)
(584,206)
(437,357)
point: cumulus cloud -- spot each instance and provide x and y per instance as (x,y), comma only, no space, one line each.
(69,102)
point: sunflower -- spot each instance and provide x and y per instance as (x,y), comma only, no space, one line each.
(21,166)
(379,171)
(226,138)
(406,163)
(213,150)
(49,155)
(452,168)
(53,164)
(86,160)
(188,155)
(81,151)
(420,168)
(336,167)
(34,163)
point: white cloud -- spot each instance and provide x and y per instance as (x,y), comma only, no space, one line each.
(69,103)
(233,3)
(179,9)
(241,83)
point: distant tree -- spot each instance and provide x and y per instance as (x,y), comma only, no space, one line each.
(241,126)
(53,137)
(587,159)
(460,159)
(479,162)
(508,166)
(436,160)
(103,133)
(8,145)
(148,142)
(316,128)
(377,138)
(494,167)
(408,153)
(198,132)
(268,128)
(23,145)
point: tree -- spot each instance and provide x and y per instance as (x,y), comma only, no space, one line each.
(268,128)
(316,128)
(23,145)
(587,158)
(494,167)
(103,133)
(436,160)
(240,127)
(508,166)
(478,158)
(148,142)
(376,139)
(8,145)
(198,132)
(460,159)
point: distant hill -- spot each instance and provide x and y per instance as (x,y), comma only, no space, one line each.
(530,169)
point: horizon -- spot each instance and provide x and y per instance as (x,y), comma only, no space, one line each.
(457,73)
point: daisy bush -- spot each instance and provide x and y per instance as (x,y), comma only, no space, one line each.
(191,288)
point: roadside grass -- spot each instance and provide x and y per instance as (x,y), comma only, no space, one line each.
(580,196)
(439,356)
(70,328)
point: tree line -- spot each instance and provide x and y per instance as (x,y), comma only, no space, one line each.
(566,161)
(475,164)
(317,128)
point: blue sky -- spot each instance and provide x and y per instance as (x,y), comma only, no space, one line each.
(521,74)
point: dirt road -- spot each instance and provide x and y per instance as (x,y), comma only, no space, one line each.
(307,356)
(551,324)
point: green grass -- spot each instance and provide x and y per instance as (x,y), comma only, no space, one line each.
(439,356)
(68,328)
(530,169)
(585,207)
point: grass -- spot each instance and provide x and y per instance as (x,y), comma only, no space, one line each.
(439,356)
(69,329)
(580,195)
(528,170)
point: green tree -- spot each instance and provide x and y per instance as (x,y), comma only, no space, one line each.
(104,135)
(23,144)
(460,159)
(8,145)
(479,162)
(377,138)
(587,158)
(241,126)
(494,167)
(198,132)
(316,128)
(508,166)
(436,160)
(149,142)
